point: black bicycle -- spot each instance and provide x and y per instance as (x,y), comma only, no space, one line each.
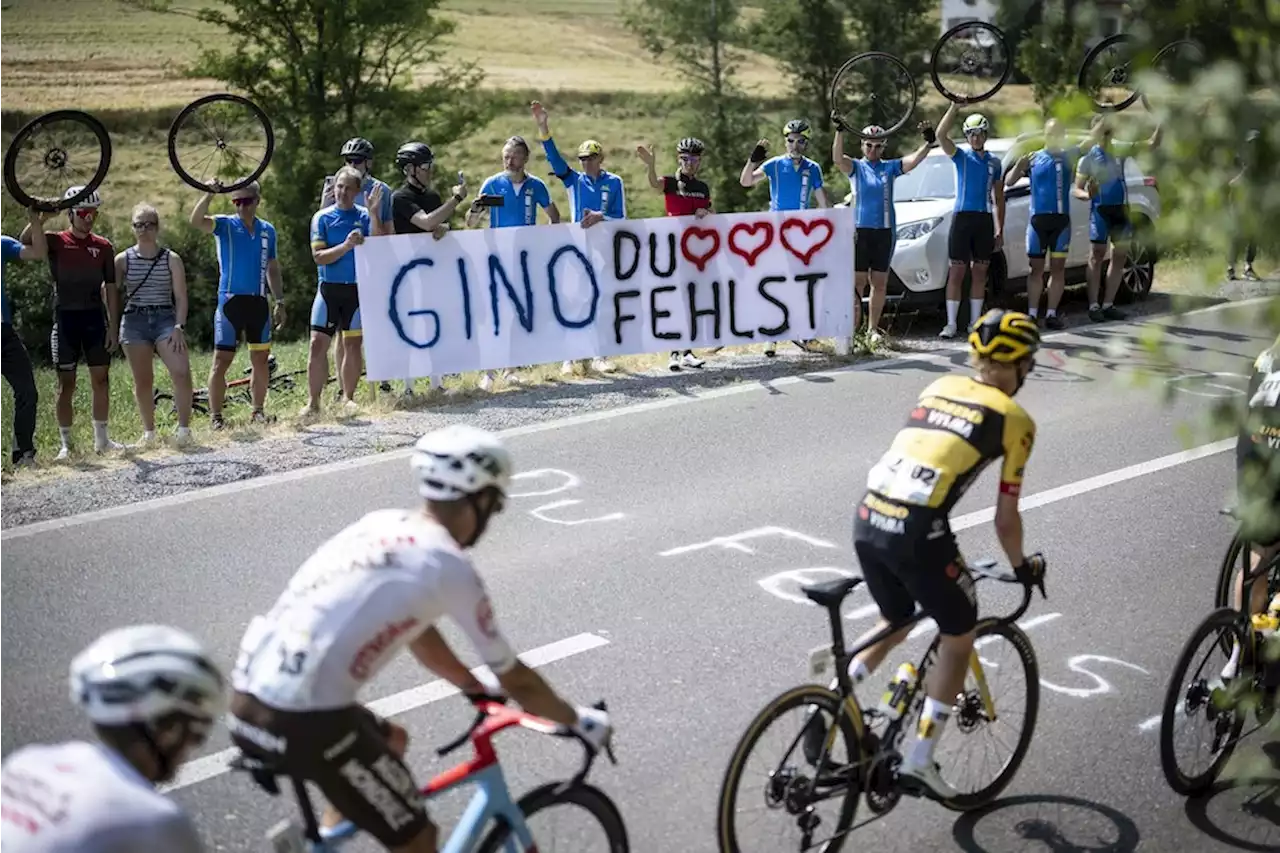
(798,785)
(238,390)
(1202,690)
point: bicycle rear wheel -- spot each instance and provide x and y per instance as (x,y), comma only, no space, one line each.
(594,801)
(874,89)
(221,143)
(970,63)
(1189,694)
(53,152)
(1107,73)
(972,720)
(1177,62)
(793,786)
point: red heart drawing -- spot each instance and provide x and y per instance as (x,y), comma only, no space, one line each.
(807,227)
(697,233)
(750,228)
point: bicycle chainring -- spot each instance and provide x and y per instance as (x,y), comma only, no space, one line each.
(882,783)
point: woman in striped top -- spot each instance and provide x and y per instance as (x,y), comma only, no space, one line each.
(155,311)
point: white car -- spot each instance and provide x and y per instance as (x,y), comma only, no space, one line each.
(924,202)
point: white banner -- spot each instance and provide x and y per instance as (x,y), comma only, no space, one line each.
(504,297)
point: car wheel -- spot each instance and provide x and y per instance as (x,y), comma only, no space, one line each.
(1139,272)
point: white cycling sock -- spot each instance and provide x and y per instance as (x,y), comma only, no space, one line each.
(975,310)
(65,434)
(933,719)
(858,671)
(953,311)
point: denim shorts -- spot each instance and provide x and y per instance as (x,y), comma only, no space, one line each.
(147,324)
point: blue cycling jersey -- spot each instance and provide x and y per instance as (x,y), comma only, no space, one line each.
(243,255)
(873,192)
(791,186)
(10,250)
(330,227)
(604,192)
(1107,169)
(385,212)
(519,205)
(975,175)
(1051,178)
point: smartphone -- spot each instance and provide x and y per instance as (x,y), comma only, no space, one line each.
(490,201)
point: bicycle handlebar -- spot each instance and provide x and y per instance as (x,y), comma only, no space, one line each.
(988,569)
(485,703)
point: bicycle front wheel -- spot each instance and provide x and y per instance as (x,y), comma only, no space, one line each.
(796,786)
(1006,698)
(1197,690)
(608,833)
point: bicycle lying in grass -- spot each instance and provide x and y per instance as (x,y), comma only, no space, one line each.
(1198,691)
(492,802)
(239,391)
(796,786)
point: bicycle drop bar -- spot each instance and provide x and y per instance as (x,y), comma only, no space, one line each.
(485,707)
(987,569)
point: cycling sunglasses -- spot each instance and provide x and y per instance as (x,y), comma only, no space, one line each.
(146,225)
(356,161)
(797,140)
(245,202)
(690,158)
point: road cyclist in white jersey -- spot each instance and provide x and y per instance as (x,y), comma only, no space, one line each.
(378,586)
(152,694)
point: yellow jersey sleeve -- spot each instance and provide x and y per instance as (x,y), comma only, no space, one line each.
(1019,438)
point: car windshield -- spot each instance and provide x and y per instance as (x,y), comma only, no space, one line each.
(934,178)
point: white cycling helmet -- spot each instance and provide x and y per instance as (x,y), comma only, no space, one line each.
(91,200)
(460,460)
(143,673)
(873,130)
(976,122)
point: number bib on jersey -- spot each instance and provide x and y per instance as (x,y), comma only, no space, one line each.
(1268,392)
(903,479)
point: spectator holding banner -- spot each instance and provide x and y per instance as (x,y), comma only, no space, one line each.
(418,209)
(511,198)
(595,194)
(14,361)
(336,230)
(683,194)
(84,277)
(871,178)
(793,180)
(154,320)
(357,153)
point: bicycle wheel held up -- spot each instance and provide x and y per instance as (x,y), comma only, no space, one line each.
(847,758)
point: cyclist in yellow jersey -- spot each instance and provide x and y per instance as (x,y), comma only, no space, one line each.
(902,533)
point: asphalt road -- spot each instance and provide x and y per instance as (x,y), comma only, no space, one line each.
(688,646)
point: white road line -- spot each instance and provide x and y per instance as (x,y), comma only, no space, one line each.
(1080,487)
(210,766)
(267,480)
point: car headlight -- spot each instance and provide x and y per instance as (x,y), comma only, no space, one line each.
(916,230)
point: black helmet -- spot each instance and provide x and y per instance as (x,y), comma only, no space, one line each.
(797,125)
(414,154)
(690,145)
(357,147)
(1004,336)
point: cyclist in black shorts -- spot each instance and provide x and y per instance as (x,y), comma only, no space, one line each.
(83,265)
(902,534)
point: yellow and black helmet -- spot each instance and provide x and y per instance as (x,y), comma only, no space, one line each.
(1004,336)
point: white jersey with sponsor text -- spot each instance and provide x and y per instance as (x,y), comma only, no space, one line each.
(350,609)
(80,797)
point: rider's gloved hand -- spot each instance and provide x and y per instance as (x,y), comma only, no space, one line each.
(1031,570)
(593,726)
(490,690)
(838,120)
(926,130)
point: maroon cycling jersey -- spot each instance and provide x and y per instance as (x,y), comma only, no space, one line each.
(684,195)
(79,267)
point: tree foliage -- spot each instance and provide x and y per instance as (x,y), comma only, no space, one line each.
(700,40)
(328,70)
(1051,49)
(785,31)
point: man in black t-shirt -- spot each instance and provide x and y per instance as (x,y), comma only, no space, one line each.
(417,208)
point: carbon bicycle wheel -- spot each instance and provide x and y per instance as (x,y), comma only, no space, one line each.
(970,63)
(1106,75)
(971,720)
(1189,695)
(54,152)
(788,787)
(582,796)
(1177,62)
(221,143)
(873,88)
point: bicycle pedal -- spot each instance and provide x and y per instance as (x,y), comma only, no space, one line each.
(286,837)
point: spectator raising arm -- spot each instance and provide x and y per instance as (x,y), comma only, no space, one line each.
(753,173)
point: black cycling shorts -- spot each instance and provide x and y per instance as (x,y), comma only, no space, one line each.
(1049,233)
(907,560)
(79,333)
(336,306)
(972,237)
(872,249)
(242,313)
(345,753)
